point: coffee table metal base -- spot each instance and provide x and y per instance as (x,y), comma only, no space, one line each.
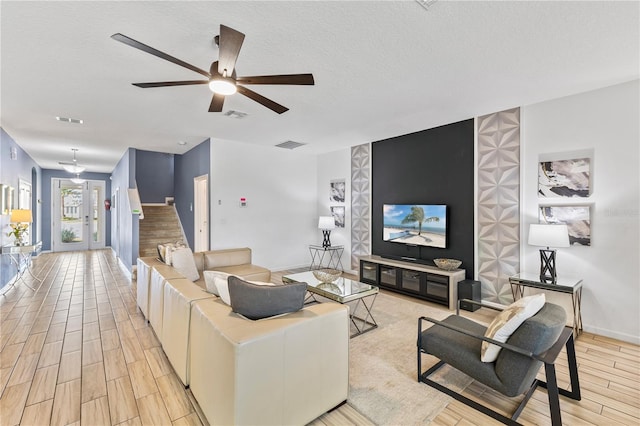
(362,325)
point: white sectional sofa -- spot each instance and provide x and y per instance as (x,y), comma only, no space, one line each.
(282,370)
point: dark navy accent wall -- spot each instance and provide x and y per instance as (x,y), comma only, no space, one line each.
(433,166)
(191,164)
(23,167)
(47,175)
(154,176)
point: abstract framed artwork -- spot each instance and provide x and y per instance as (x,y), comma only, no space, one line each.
(337,190)
(577,219)
(338,215)
(564,178)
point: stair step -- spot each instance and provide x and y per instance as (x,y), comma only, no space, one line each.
(160,225)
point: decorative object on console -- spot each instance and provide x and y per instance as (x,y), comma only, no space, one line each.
(326,224)
(20,220)
(326,275)
(544,235)
(447,264)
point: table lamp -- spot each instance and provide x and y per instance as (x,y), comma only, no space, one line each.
(326,224)
(546,235)
(19,217)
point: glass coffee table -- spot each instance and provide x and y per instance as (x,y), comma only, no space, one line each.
(342,290)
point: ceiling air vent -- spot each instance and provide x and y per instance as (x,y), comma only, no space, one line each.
(235,114)
(290,145)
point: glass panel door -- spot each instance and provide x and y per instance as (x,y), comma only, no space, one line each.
(78,219)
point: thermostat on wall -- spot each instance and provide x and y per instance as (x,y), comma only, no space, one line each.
(243,202)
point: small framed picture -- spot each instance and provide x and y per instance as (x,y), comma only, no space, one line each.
(337,190)
(338,215)
(577,219)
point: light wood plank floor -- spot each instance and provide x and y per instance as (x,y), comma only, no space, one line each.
(78,351)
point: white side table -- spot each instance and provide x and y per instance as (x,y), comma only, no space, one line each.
(20,257)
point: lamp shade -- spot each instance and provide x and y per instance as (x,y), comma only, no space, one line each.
(326,222)
(21,216)
(545,235)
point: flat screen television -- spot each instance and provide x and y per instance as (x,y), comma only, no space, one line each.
(415,224)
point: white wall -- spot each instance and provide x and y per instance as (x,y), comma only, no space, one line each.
(605,121)
(334,166)
(281,218)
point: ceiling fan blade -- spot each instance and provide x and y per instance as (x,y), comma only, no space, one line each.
(301,79)
(262,100)
(216,103)
(230,44)
(133,43)
(170,83)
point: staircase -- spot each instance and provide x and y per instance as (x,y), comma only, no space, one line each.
(160,225)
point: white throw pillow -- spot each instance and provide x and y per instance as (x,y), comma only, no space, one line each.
(183,261)
(508,321)
(210,278)
(222,286)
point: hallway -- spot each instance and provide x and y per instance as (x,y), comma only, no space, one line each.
(78,349)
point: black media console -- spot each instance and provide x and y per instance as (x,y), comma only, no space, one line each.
(418,280)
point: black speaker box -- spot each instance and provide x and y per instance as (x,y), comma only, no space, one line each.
(469,289)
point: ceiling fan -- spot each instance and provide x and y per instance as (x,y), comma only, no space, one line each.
(221,77)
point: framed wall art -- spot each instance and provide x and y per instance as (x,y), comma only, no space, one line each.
(337,189)
(338,215)
(564,178)
(577,219)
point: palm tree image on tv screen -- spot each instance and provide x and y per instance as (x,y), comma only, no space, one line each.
(421,225)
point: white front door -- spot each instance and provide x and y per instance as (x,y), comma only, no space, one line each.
(201,213)
(77,214)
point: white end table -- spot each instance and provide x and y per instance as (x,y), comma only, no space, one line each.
(20,257)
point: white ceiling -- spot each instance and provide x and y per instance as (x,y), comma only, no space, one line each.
(382,69)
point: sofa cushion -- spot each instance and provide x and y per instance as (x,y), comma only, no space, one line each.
(183,261)
(255,301)
(508,321)
(210,279)
(248,272)
(215,259)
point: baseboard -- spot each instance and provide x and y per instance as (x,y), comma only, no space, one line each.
(613,334)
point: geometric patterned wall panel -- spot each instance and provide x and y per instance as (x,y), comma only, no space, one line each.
(498,203)
(360,202)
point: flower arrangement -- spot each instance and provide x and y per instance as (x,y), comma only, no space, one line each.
(18,230)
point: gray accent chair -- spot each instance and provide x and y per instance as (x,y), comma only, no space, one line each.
(457,341)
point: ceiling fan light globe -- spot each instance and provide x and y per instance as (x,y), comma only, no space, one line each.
(223,86)
(73,168)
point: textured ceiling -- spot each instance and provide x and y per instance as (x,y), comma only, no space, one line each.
(381,68)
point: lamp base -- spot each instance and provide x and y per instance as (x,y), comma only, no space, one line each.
(548,273)
(325,234)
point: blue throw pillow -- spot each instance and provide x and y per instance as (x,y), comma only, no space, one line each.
(259,301)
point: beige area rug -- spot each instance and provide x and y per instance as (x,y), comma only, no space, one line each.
(382,367)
